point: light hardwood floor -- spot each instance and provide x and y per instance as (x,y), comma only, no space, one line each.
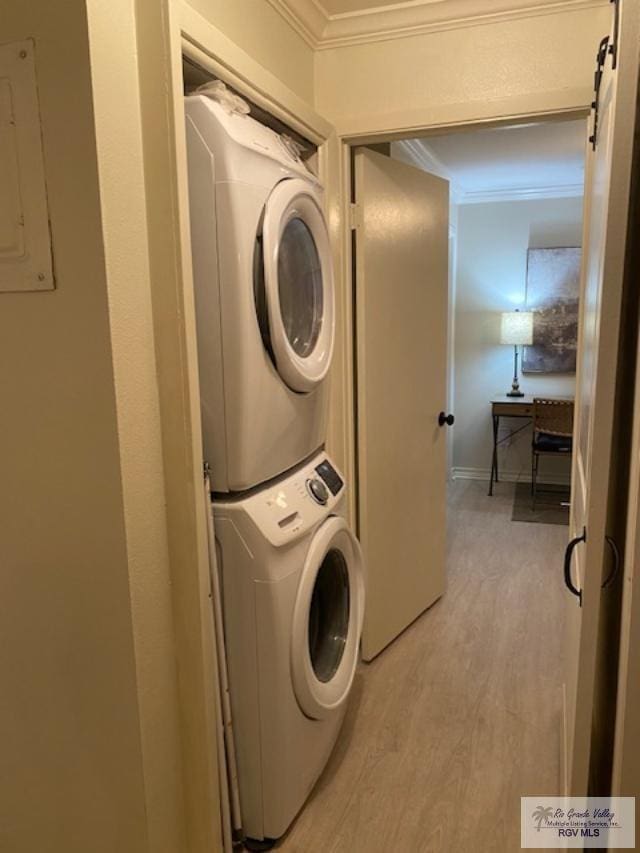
(461,715)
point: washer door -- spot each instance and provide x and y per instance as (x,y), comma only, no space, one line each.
(327,620)
(298,281)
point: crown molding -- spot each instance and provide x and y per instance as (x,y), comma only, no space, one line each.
(416,17)
(522,193)
(403,21)
(304,16)
(419,153)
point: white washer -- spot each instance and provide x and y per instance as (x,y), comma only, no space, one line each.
(264,296)
(293,599)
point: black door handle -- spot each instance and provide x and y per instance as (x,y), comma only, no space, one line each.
(616,561)
(445,419)
(567,564)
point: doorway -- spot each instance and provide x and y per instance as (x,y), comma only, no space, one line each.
(512,196)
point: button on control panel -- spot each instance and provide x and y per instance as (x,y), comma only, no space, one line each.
(318,490)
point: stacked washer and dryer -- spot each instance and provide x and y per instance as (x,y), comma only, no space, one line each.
(291,570)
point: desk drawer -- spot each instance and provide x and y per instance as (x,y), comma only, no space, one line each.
(513,410)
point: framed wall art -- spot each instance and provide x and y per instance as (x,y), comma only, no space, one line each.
(553,287)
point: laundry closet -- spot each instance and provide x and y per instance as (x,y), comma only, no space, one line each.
(288,575)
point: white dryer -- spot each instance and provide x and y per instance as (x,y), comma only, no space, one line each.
(264,296)
(293,599)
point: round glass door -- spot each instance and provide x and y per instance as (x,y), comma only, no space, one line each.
(327,620)
(300,287)
(329,616)
(298,284)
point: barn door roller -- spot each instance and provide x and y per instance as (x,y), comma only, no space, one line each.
(601,58)
(613,47)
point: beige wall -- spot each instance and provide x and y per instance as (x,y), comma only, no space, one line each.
(471,73)
(256,27)
(72,775)
(492,243)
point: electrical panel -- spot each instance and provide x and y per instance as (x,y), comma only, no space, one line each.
(25,241)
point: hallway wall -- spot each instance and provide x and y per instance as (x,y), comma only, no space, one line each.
(491,275)
(72,777)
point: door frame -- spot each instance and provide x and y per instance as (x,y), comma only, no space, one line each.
(170,30)
(626,762)
(342,437)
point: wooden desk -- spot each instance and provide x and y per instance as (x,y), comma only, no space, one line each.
(503,406)
(507,407)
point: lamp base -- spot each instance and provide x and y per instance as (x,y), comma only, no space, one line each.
(515,393)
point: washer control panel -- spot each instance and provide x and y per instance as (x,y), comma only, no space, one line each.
(330,476)
(290,506)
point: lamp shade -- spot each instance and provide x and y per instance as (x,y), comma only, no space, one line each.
(516,328)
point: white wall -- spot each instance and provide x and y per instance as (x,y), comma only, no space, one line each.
(491,273)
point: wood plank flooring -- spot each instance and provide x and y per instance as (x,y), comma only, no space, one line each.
(461,715)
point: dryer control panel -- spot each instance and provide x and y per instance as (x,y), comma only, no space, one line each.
(290,506)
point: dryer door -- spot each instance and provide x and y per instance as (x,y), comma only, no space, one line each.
(298,281)
(327,620)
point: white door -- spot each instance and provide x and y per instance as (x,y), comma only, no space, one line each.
(298,283)
(588,559)
(401,315)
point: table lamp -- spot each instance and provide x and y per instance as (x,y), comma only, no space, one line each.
(516,329)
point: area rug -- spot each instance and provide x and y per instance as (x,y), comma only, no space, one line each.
(549,509)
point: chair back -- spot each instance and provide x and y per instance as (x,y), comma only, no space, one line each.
(552,416)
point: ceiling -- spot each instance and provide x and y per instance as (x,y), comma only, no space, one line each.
(542,160)
(334,23)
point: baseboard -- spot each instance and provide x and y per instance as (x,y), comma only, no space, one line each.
(509,476)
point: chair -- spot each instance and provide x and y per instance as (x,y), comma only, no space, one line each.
(552,434)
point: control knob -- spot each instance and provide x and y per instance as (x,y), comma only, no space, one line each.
(318,490)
